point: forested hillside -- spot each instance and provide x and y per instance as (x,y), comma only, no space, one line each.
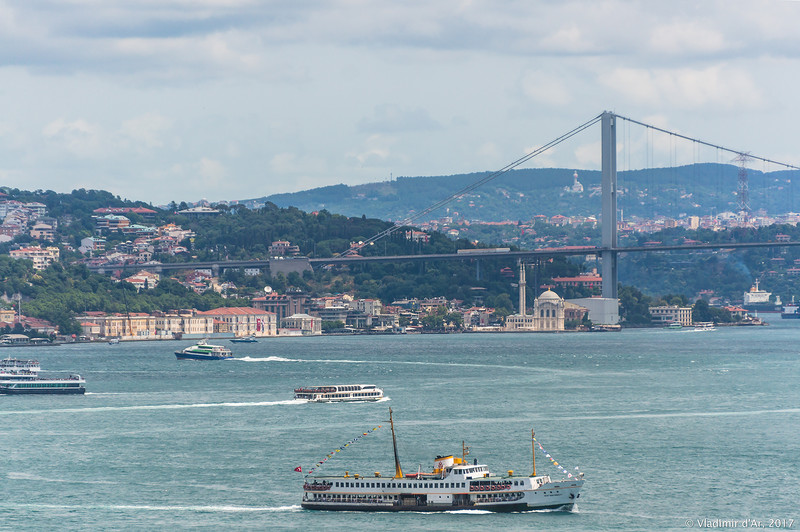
(698,189)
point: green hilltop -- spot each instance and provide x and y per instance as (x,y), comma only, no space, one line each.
(697,189)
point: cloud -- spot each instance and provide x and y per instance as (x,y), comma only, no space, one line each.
(145,131)
(388,118)
(211,172)
(545,88)
(684,37)
(715,86)
(78,137)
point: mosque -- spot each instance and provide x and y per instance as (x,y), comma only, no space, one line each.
(548,311)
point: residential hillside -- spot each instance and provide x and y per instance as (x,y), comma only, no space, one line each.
(519,194)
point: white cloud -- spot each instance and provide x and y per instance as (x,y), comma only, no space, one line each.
(545,88)
(716,86)
(146,130)
(243,95)
(212,173)
(79,137)
(686,37)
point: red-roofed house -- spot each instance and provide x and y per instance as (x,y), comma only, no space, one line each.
(587,280)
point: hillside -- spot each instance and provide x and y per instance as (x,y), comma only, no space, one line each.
(519,194)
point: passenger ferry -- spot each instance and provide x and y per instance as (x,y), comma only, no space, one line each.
(16,364)
(32,384)
(245,339)
(339,393)
(453,484)
(204,351)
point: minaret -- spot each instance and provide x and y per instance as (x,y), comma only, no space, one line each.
(521,288)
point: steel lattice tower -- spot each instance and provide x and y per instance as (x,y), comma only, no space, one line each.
(743,192)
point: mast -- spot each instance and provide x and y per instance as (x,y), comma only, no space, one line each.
(533,452)
(398,472)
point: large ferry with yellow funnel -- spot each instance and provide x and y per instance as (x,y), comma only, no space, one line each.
(453,484)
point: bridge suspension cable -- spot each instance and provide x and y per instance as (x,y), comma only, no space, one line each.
(476,184)
(709,144)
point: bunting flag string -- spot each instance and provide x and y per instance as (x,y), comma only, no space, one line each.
(340,449)
(559,466)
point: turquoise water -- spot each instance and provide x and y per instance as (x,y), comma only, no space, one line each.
(668,426)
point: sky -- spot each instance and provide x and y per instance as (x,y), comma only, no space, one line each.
(182,100)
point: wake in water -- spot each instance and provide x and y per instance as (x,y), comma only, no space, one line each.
(397,362)
(12,475)
(159,508)
(158,407)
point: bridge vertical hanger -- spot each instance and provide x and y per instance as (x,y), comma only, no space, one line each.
(609,212)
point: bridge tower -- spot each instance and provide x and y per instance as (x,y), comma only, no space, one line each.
(609,209)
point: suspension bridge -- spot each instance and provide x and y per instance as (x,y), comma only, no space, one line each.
(608,251)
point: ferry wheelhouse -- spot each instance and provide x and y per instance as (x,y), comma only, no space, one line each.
(453,484)
(339,393)
(204,351)
(27,384)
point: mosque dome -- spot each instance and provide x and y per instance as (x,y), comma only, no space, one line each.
(549,294)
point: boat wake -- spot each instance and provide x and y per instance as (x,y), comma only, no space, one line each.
(13,475)
(393,362)
(161,508)
(684,414)
(158,407)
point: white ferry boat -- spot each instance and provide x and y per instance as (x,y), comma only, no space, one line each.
(30,384)
(453,484)
(204,351)
(339,393)
(16,364)
(703,326)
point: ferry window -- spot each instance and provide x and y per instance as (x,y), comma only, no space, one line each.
(463,484)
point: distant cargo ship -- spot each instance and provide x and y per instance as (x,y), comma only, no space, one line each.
(757,299)
(791,311)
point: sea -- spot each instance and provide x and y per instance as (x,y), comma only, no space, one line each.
(673,429)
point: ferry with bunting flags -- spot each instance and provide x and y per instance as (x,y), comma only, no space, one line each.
(339,393)
(453,484)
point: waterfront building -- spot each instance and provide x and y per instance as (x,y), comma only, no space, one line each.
(307,325)
(548,311)
(282,305)
(243,321)
(672,314)
(369,306)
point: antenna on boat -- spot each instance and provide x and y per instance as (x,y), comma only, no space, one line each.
(398,472)
(464,452)
(533,452)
